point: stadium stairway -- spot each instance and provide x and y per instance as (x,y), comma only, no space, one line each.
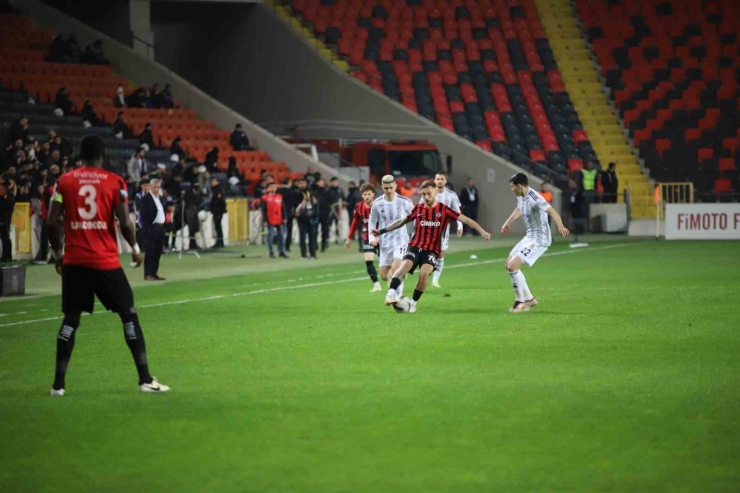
(24,72)
(478,68)
(581,78)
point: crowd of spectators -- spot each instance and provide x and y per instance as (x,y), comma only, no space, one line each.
(68,51)
(154,97)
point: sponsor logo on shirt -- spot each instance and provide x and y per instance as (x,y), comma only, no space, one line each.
(430,224)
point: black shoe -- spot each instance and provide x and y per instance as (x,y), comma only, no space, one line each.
(287,250)
(272,255)
(282,255)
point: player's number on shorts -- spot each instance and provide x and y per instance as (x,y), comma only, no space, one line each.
(91,207)
(526,251)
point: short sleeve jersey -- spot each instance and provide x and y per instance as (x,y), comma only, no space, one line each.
(384,213)
(430,226)
(534,212)
(88,196)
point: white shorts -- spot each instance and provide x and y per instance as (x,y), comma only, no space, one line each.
(528,250)
(388,255)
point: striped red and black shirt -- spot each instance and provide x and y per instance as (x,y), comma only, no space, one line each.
(361,215)
(431,223)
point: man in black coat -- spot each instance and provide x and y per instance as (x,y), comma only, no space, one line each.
(611,184)
(153,216)
(469,201)
(218,209)
(239,140)
(291,198)
(147,137)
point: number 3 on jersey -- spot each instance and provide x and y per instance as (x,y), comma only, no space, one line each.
(91,207)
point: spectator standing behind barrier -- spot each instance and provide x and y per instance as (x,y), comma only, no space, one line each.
(152,220)
(7,203)
(406,190)
(308,220)
(176,149)
(218,209)
(121,128)
(575,196)
(589,175)
(469,202)
(291,197)
(274,218)
(610,182)
(62,101)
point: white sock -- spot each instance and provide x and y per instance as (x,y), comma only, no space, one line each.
(527,294)
(391,292)
(518,283)
(376,285)
(438,270)
(399,291)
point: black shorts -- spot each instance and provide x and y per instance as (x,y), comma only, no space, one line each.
(420,257)
(368,248)
(80,286)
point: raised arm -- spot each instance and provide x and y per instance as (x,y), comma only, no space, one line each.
(466,220)
(513,217)
(128,231)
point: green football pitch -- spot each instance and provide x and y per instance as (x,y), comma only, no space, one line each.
(292,377)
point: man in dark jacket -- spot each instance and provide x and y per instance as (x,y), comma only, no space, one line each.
(325,199)
(152,216)
(7,203)
(147,137)
(469,201)
(218,209)
(239,140)
(336,195)
(308,219)
(121,127)
(611,184)
(291,198)
(19,131)
(211,159)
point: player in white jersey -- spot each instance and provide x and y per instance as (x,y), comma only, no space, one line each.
(534,209)
(450,199)
(386,209)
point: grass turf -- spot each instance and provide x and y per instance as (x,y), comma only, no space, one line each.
(624,378)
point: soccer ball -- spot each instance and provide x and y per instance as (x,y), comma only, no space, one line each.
(403,305)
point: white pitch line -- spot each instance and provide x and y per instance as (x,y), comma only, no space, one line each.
(311,285)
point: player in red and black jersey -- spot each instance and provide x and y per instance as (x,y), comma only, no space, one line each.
(362,216)
(431,219)
(89,200)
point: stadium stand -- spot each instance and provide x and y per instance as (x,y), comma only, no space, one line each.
(482,69)
(24,72)
(671,68)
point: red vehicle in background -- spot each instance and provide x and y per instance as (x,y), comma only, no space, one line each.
(414,160)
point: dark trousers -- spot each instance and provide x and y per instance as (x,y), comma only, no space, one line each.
(154,244)
(5,239)
(217,218)
(288,234)
(472,213)
(325,222)
(307,231)
(43,252)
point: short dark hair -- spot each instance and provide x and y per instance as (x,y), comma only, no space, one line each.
(519,179)
(443,173)
(92,148)
(367,187)
(334,178)
(428,183)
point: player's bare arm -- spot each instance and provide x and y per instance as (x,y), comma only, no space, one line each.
(54,223)
(391,227)
(513,217)
(559,221)
(128,231)
(473,224)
